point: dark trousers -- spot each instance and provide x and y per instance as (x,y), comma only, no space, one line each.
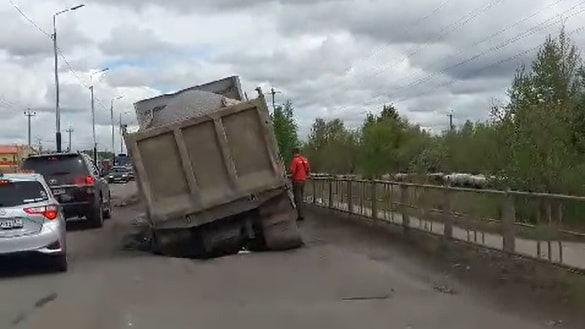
(299,196)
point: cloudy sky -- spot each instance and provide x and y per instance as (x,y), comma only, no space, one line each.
(331,58)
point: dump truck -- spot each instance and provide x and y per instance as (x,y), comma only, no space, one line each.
(212,178)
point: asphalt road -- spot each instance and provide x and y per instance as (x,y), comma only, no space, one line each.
(341,279)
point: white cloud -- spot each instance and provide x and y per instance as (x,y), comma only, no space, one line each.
(336,58)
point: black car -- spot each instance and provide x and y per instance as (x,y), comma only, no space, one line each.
(76,183)
(119,174)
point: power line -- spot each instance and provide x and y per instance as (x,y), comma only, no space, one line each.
(547,23)
(499,32)
(445,31)
(470,16)
(59,50)
(377,101)
(373,54)
(489,66)
(29,19)
(533,30)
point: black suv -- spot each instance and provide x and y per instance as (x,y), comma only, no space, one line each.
(76,183)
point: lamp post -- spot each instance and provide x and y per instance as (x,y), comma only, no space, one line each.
(57,105)
(112,123)
(122,132)
(93,113)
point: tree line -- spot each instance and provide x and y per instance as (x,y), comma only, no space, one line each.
(535,141)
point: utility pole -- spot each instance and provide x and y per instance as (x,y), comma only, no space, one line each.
(95,155)
(69,131)
(29,115)
(450,115)
(113,129)
(40,143)
(121,135)
(273,93)
(56,68)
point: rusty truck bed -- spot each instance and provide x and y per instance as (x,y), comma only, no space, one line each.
(225,159)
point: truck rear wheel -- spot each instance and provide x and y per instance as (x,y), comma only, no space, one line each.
(278,222)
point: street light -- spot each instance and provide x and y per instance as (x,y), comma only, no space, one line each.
(57,105)
(93,112)
(112,123)
(122,131)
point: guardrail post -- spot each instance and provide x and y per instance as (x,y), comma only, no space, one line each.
(508,220)
(314,191)
(403,207)
(448,222)
(350,196)
(330,196)
(374,200)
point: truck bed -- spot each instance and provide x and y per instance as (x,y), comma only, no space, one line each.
(216,164)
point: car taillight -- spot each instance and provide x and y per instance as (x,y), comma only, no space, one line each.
(49,212)
(88,180)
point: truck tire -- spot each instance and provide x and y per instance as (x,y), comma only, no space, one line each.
(279,227)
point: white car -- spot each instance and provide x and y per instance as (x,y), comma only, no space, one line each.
(31,219)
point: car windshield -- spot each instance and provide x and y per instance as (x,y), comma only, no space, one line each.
(62,169)
(15,193)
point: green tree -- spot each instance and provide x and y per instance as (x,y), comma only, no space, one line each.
(331,147)
(285,129)
(541,119)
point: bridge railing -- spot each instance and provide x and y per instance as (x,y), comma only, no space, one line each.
(547,227)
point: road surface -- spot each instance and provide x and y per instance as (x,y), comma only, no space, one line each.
(341,279)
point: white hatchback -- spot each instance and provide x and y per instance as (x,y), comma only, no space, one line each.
(31,220)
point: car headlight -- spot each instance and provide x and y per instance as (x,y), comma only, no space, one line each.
(124,175)
(111,176)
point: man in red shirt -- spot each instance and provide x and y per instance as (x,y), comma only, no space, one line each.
(299,170)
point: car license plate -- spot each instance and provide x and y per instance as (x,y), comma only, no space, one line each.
(58,191)
(7,224)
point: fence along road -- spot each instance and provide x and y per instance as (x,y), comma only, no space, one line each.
(489,218)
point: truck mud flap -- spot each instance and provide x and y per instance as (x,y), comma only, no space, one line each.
(278,222)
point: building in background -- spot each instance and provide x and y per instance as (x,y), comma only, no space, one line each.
(12,155)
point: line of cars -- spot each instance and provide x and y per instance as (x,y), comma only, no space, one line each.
(50,190)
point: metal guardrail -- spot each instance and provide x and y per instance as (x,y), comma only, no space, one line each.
(546,227)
